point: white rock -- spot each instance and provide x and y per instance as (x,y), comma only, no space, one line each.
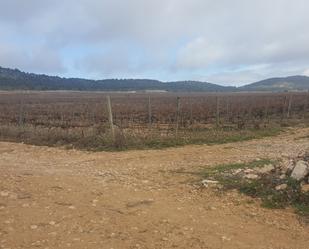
(225,238)
(305,188)
(248,171)
(266,169)
(300,170)
(283,176)
(281,187)
(208,182)
(237,171)
(251,176)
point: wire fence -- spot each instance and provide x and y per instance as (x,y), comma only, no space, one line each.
(144,110)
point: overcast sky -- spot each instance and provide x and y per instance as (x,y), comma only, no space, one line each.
(220,41)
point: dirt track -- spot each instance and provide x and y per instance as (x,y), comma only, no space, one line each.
(56,198)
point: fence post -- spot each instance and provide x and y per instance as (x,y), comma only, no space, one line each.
(306,105)
(191,114)
(110,116)
(289,106)
(149,112)
(227,109)
(177,115)
(21,114)
(217,111)
(284,107)
(267,109)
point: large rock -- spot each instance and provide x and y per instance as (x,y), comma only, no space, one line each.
(300,170)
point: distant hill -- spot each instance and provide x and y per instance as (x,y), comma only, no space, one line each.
(292,83)
(14,79)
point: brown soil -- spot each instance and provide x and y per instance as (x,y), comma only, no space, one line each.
(57,198)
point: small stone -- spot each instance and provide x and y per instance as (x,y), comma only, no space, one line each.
(206,182)
(4,193)
(281,187)
(266,169)
(225,238)
(72,207)
(300,170)
(209,182)
(248,171)
(237,171)
(165,239)
(52,223)
(305,188)
(283,176)
(33,227)
(251,176)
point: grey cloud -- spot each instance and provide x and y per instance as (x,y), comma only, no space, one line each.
(176,36)
(38,59)
(257,72)
(108,63)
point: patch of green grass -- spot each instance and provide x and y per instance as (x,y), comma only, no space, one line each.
(227,168)
(99,139)
(302,209)
(263,188)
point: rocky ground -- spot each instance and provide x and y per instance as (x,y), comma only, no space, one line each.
(57,198)
(279,172)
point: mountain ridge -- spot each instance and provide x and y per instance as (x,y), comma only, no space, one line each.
(296,82)
(15,79)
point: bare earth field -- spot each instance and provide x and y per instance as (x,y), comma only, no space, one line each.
(57,198)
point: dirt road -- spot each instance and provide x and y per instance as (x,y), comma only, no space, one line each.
(57,198)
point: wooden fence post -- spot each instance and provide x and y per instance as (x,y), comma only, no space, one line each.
(227,109)
(284,107)
(110,116)
(177,115)
(289,106)
(217,111)
(149,113)
(306,111)
(21,112)
(191,113)
(267,109)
